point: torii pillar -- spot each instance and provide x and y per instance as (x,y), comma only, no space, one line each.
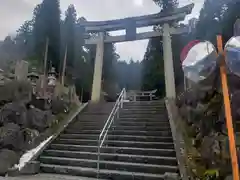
(168,63)
(97,76)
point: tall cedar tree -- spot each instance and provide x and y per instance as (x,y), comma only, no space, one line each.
(47,25)
(69,34)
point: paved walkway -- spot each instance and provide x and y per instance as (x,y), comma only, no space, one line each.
(46,177)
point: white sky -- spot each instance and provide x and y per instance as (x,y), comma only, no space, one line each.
(14,12)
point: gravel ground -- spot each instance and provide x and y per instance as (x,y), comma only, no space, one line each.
(46,177)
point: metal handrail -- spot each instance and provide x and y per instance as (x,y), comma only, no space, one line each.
(111,117)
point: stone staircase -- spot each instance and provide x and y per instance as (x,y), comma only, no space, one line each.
(139,145)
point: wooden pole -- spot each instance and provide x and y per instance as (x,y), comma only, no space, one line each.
(44,85)
(64,65)
(228,114)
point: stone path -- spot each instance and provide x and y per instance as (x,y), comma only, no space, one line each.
(46,177)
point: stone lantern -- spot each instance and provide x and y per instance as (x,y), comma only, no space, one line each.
(33,77)
(52,80)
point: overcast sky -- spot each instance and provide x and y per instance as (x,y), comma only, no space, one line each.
(14,12)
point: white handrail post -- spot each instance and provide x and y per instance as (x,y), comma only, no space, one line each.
(125,94)
(118,111)
(122,99)
(98,162)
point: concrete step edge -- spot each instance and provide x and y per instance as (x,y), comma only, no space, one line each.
(126,131)
(117,141)
(113,147)
(104,171)
(140,126)
(122,126)
(109,162)
(113,154)
(94,135)
(162,119)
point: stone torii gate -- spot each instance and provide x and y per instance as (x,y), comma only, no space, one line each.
(130,25)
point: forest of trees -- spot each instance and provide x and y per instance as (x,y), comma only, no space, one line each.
(146,74)
(30,41)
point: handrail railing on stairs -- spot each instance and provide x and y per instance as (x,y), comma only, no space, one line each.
(115,111)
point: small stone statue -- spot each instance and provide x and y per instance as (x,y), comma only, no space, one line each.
(33,77)
(52,77)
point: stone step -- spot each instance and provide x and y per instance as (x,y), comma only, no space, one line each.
(104,174)
(141,123)
(89,122)
(84,127)
(110,165)
(96,113)
(120,132)
(129,121)
(77,141)
(118,137)
(143,119)
(99,108)
(140,144)
(50,176)
(139,107)
(79,136)
(88,117)
(141,111)
(81,122)
(113,157)
(143,108)
(75,128)
(118,150)
(145,103)
(141,133)
(142,128)
(123,122)
(130,115)
(115,143)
